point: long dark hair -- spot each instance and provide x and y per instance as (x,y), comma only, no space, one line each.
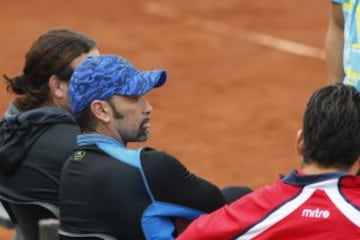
(51,54)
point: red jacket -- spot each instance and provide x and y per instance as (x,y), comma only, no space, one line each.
(324,206)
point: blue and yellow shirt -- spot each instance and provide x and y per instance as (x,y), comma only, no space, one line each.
(351,11)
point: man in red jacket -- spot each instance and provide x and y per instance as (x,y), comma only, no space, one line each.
(320,201)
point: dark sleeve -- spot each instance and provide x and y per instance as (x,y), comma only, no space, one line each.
(171,182)
(54,146)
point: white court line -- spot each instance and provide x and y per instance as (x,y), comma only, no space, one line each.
(223,29)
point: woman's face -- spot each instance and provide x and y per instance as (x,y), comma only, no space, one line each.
(81,58)
(65,100)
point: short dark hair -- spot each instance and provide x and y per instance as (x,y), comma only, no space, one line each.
(86,120)
(50,54)
(331,127)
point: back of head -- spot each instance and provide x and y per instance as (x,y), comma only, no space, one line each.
(51,54)
(331,127)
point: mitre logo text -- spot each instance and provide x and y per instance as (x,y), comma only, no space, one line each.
(315,213)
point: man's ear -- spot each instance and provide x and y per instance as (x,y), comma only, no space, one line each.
(100,110)
(357,167)
(299,144)
(57,87)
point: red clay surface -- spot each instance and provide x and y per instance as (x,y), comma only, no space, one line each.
(231,106)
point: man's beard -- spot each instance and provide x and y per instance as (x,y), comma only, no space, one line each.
(141,136)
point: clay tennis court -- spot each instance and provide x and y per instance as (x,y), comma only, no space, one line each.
(239,72)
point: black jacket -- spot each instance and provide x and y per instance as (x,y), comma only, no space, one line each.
(130,193)
(33,148)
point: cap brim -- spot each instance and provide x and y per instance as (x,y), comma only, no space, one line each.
(152,79)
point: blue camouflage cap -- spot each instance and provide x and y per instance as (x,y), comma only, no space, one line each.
(100,77)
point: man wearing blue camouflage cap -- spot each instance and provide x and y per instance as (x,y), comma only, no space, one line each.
(110,189)
(100,78)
